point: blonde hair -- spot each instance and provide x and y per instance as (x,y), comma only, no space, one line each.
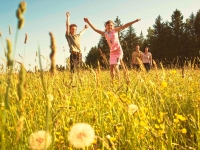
(108,22)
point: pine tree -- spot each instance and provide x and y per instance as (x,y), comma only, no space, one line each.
(121,33)
(130,40)
(93,57)
(141,40)
(197,27)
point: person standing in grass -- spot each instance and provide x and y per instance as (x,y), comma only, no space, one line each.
(147,59)
(136,57)
(111,35)
(73,40)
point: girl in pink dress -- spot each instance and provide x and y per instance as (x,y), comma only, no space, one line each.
(111,35)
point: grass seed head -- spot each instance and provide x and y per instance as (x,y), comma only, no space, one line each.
(26,38)
(52,54)
(9,53)
(22,6)
(21,23)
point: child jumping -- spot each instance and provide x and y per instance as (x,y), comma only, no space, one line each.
(73,40)
(111,35)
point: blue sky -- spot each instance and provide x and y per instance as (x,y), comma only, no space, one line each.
(44,16)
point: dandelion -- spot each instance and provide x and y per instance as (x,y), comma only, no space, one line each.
(173,72)
(184,130)
(81,135)
(180,117)
(39,140)
(50,97)
(132,108)
(164,84)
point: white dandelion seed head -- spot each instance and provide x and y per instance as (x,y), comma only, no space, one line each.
(132,108)
(108,136)
(81,135)
(37,140)
(2,104)
(162,77)
(50,97)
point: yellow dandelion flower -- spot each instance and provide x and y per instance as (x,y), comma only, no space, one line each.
(57,133)
(66,129)
(39,140)
(81,135)
(184,130)
(180,117)
(173,72)
(163,84)
(176,120)
(157,126)
(142,123)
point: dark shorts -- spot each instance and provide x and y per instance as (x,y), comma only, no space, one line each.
(75,59)
(136,66)
(147,66)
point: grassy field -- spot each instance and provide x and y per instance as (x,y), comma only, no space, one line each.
(165,113)
(158,110)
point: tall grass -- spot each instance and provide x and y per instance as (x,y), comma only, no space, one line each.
(168,115)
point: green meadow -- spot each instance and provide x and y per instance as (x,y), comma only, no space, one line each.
(167,116)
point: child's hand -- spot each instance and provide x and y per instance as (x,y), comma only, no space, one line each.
(86,26)
(68,14)
(86,20)
(138,20)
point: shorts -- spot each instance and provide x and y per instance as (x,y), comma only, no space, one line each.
(115,59)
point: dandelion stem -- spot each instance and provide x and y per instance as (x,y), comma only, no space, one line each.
(45,92)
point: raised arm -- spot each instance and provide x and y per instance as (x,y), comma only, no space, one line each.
(82,31)
(67,23)
(126,25)
(92,26)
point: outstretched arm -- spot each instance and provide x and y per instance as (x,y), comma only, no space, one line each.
(92,26)
(126,25)
(67,23)
(86,26)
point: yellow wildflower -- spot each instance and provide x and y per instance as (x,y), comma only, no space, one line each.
(184,130)
(164,84)
(180,117)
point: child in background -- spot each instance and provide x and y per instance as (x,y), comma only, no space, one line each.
(111,35)
(73,40)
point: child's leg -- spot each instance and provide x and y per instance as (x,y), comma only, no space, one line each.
(71,63)
(112,71)
(117,71)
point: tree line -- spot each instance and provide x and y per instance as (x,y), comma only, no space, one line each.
(171,42)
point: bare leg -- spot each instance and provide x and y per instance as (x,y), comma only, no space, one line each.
(112,72)
(117,71)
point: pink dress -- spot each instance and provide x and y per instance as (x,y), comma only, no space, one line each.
(116,52)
